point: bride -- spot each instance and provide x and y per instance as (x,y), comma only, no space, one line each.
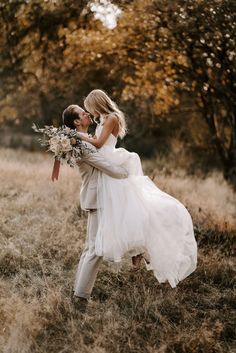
(135,216)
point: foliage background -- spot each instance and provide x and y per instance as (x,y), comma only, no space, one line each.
(170,65)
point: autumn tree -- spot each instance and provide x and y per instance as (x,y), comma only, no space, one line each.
(55,52)
(205,34)
(184,46)
(32,74)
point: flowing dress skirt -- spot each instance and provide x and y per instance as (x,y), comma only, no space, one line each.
(135,217)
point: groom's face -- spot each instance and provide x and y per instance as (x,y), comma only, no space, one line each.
(84,118)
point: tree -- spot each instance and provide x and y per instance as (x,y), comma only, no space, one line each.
(54,52)
(32,55)
(184,46)
(206,36)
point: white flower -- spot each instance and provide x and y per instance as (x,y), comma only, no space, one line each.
(65,144)
(67,130)
(54,145)
(55,148)
(54,140)
(58,141)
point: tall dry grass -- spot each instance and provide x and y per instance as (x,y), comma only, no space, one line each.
(42,232)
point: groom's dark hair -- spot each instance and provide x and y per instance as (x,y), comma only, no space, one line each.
(69,115)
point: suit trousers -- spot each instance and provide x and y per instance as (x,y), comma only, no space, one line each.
(89,262)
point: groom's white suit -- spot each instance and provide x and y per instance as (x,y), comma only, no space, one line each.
(89,166)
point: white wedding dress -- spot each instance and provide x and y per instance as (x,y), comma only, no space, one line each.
(134,217)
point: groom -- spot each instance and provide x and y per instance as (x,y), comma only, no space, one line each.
(89,167)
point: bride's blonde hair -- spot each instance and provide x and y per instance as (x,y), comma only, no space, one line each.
(98,101)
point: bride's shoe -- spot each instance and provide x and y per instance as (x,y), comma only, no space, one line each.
(136,260)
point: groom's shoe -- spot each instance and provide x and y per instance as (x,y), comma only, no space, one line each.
(80,303)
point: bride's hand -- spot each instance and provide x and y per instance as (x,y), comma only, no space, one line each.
(81,136)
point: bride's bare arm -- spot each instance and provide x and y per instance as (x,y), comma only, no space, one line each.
(108,127)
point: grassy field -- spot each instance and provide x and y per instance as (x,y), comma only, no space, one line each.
(42,232)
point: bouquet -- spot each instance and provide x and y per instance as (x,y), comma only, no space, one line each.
(64,143)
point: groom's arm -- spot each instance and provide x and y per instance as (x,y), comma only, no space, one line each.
(96,160)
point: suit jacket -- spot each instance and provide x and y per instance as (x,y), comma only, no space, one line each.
(89,166)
